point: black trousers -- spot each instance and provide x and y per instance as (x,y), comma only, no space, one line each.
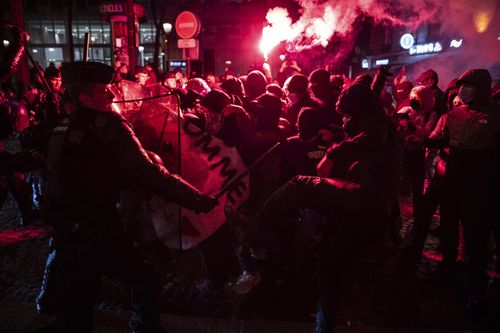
(436,195)
(82,258)
(356,219)
(473,206)
(414,169)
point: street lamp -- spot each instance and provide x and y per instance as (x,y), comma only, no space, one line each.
(141,52)
(167,28)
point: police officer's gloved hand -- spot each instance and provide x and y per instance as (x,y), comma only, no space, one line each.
(207,203)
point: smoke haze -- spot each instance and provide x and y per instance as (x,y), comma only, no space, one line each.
(477,22)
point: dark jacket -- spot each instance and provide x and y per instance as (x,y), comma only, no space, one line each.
(300,157)
(371,155)
(472,132)
(95,155)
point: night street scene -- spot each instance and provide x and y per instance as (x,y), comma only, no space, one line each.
(249,166)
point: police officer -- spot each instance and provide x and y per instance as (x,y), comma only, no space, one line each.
(93,155)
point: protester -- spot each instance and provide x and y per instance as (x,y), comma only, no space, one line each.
(415,123)
(430,79)
(402,94)
(296,88)
(53,77)
(141,75)
(472,133)
(319,82)
(152,74)
(13,167)
(357,184)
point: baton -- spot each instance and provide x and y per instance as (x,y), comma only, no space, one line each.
(39,71)
(252,166)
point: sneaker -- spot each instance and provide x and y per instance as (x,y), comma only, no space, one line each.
(245,282)
(205,289)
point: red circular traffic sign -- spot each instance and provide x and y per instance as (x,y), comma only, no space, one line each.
(187,25)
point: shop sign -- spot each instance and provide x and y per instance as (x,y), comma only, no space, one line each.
(111,8)
(426,48)
(456,43)
(407,41)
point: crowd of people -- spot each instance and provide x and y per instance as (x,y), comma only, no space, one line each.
(348,149)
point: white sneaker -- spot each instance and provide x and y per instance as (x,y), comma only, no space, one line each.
(245,282)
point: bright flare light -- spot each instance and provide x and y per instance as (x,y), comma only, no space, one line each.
(310,30)
(319,20)
(278,30)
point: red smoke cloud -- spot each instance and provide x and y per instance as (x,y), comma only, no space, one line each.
(475,21)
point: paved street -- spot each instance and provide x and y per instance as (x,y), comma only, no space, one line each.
(378,296)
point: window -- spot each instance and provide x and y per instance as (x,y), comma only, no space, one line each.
(59,32)
(83,27)
(53,54)
(35,32)
(96,33)
(96,53)
(49,42)
(147,33)
(106,33)
(48,32)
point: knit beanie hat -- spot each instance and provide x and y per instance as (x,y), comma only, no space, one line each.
(216,100)
(298,84)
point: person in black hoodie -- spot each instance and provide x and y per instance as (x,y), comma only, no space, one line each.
(358,181)
(430,79)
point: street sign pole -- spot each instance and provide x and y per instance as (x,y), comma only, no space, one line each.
(187,26)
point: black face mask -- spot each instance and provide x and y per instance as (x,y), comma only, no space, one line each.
(415,104)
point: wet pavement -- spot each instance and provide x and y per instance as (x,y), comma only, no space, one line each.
(379,294)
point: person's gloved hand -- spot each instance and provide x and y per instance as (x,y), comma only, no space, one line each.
(384,70)
(207,203)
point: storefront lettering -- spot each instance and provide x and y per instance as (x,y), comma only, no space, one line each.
(111,8)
